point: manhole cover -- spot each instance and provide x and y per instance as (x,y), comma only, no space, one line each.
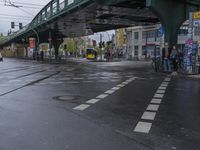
(68,98)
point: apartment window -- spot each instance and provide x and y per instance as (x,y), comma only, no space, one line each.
(136,50)
(136,35)
(144,35)
(144,50)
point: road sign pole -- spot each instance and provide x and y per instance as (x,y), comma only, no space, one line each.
(101,49)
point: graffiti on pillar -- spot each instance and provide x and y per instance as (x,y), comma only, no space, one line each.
(190,54)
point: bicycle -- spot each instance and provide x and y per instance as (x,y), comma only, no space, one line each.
(157,64)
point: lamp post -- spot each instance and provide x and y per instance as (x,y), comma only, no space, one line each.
(25,46)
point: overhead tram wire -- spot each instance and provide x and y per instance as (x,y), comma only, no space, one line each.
(30,4)
(11,4)
(31,7)
(26,11)
(27,17)
(2,17)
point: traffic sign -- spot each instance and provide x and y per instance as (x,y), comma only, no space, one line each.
(196,15)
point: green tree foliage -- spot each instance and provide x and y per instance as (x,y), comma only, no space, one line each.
(71,46)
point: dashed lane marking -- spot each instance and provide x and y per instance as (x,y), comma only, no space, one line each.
(115,88)
(156,101)
(82,107)
(93,101)
(148,115)
(162,88)
(167,79)
(120,85)
(153,107)
(102,96)
(158,95)
(160,91)
(143,127)
(110,92)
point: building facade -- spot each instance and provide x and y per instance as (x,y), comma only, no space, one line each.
(148,41)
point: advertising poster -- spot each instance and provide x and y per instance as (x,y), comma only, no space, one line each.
(190,56)
(32,43)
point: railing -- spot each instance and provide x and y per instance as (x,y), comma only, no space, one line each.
(53,8)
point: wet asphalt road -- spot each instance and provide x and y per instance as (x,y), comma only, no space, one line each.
(96,106)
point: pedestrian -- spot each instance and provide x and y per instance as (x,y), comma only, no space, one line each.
(180,59)
(42,55)
(37,56)
(166,58)
(1,57)
(174,58)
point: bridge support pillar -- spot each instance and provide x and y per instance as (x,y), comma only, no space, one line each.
(56,44)
(171,14)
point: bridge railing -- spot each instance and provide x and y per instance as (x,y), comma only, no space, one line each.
(52,9)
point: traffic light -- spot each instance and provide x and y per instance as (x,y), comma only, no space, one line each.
(20,26)
(12,25)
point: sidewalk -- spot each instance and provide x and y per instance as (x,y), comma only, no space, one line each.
(194,76)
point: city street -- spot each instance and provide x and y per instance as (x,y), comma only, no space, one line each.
(82,105)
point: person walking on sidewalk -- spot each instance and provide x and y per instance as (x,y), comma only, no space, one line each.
(174,58)
(166,58)
(1,57)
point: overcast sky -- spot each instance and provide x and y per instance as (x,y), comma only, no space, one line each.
(24,15)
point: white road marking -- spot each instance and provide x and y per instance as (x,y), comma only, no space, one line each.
(93,101)
(109,91)
(125,82)
(153,107)
(130,80)
(102,96)
(167,79)
(160,91)
(158,95)
(81,107)
(162,88)
(149,115)
(164,82)
(115,88)
(120,85)
(143,127)
(156,101)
